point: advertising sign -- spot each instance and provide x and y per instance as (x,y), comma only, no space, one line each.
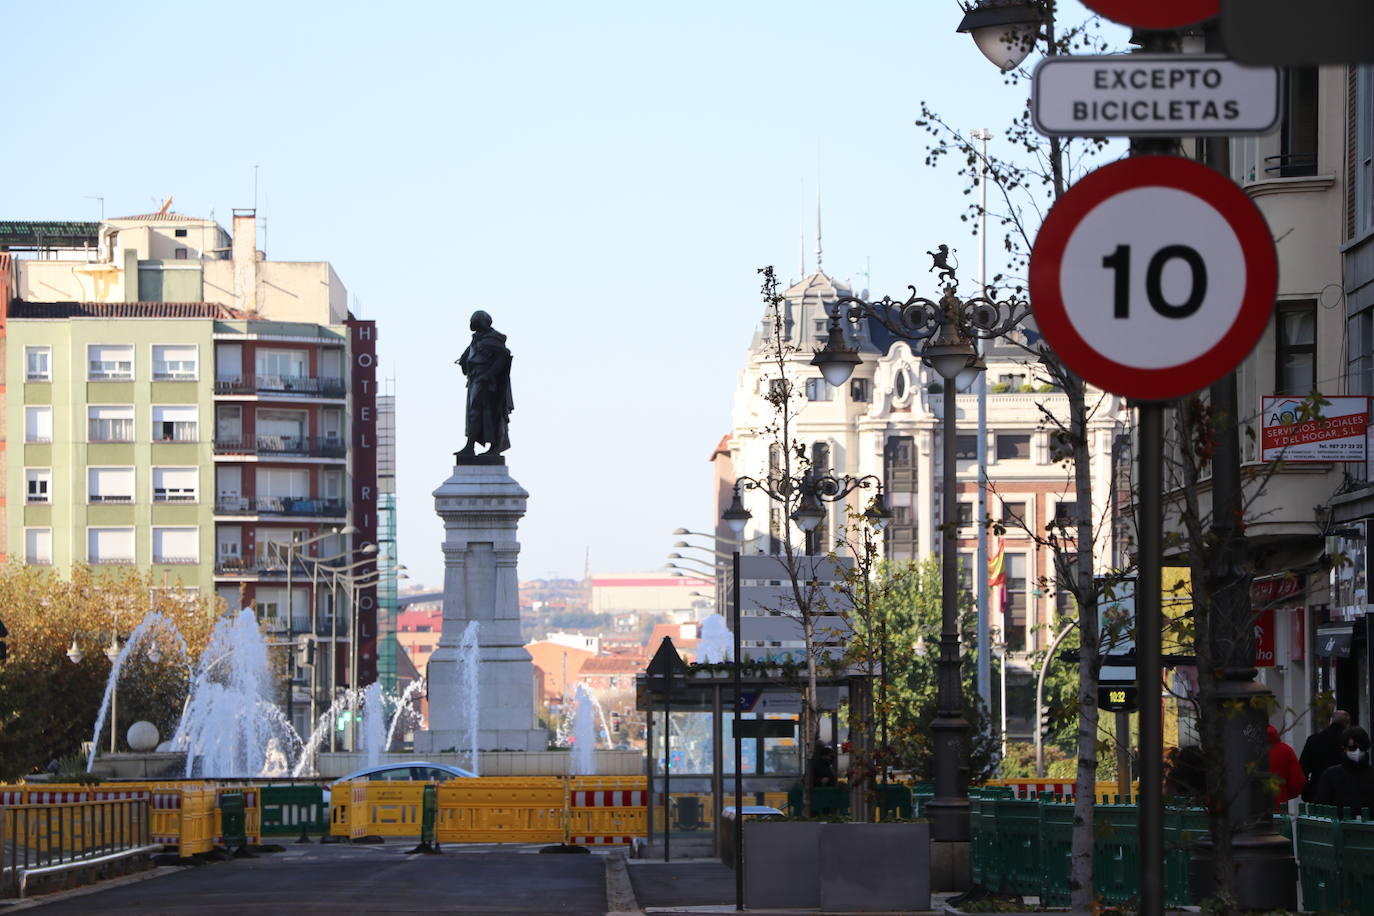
(1126,95)
(1336,434)
(363,479)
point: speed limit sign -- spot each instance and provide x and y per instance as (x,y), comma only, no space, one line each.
(1153,277)
(1157,14)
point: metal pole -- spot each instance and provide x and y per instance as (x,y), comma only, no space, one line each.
(1123,753)
(333,658)
(290,635)
(353,679)
(981,513)
(739,747)
(1040,700)
(1148,659)
(667,760)
(949,807)
(314,641)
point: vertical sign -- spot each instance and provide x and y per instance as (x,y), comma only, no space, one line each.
(362,347)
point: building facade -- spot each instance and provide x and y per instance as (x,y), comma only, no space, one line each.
(182,405)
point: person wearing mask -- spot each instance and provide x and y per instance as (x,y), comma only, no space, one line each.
(1284,765)
(1323,750)
(1349,785)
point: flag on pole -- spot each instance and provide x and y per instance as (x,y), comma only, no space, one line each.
(997,576)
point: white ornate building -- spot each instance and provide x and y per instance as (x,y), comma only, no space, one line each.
(886,421)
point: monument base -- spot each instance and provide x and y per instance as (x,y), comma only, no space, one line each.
(505,739)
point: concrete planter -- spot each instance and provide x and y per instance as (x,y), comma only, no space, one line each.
(837,867)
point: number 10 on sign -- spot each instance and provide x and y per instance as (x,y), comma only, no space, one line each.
(1153,277)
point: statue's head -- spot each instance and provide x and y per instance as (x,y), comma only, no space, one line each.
(481,321)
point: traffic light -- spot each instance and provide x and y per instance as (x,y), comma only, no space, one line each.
(615,721)
(1044,722)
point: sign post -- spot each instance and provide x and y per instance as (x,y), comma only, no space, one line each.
(1152,278)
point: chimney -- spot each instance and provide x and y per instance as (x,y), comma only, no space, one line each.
(245,251)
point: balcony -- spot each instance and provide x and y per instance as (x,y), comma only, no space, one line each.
(282,446)
(279,505)
(282,385)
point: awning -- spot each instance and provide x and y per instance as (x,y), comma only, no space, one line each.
(1334,639)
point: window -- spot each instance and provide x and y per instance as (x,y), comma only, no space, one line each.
(965,514)
(860,391)
(820,458)
(1296,348)
(1013,513)
(1010,383)
(38,546)
(179,254)
(966,447)
(37,424)
(110,363)
(279,364)
(333,485)
(818,389)
(110,545)
(176,545)
(174,424)
(1064,512)
(176,485)
(38,483)
(110,485)
(111,424)
(1014,605)
(1298,127)
(38,364)
(279,483)
(1364,150)
(966,565)
(1012,446)
(175,363)
(900,451)
(179,233)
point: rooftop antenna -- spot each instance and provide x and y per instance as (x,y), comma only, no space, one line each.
(102,204)
(818,226)
(802,233)
(255,188)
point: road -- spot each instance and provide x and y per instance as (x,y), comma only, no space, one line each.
(342,879)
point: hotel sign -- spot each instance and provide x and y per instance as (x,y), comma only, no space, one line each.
(362,351)
(1336,433)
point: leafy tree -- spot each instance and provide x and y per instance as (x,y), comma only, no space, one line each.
(48,704)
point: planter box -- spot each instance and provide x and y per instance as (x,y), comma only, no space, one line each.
(865,867)
(837,867)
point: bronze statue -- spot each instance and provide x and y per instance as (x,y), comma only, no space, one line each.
(486,363)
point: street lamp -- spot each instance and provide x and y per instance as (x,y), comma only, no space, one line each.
(1004,30)
(945,332)
(813,490)
(293,550)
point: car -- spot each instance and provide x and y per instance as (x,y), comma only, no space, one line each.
(410,771)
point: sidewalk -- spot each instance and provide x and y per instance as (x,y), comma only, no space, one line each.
(704,885)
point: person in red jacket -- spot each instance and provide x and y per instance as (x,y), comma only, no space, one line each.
(1283,764)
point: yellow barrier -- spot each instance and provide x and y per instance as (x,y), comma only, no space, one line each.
(607,810)
(348,809)
(1104,792)
(394,808)
(502,809)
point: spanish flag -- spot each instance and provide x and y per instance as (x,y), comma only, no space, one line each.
(997,575)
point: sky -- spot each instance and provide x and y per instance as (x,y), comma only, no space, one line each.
(604,178)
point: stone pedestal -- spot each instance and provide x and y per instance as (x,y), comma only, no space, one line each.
(481,505)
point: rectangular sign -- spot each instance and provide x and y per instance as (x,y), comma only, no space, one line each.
(362,457)
(1337,434)
(1129,95)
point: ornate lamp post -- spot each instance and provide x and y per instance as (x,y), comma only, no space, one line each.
(944,331)
(813,490)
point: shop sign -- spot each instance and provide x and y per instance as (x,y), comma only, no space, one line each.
(1291,433)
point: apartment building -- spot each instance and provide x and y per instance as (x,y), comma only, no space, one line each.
(175,402)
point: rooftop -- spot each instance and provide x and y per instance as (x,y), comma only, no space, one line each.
(52,310)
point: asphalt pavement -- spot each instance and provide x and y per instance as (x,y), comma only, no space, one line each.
(343,879)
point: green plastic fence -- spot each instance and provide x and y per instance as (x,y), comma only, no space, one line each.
(233,821)
(292,810)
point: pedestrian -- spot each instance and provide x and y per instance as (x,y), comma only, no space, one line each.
(1186,773)
(1284,765)
(823,765)
(1323,750)
(1349,785)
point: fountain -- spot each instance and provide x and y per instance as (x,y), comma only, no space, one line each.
(148,628)
(405,710)
(374,722)
(582,761)
(717,642)
(229,720)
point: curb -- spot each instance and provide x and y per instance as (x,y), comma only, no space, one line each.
(620,893)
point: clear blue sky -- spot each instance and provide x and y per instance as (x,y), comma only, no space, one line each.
(602,177)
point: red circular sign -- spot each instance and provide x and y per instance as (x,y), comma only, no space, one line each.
(1156,14)
(1153,277)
